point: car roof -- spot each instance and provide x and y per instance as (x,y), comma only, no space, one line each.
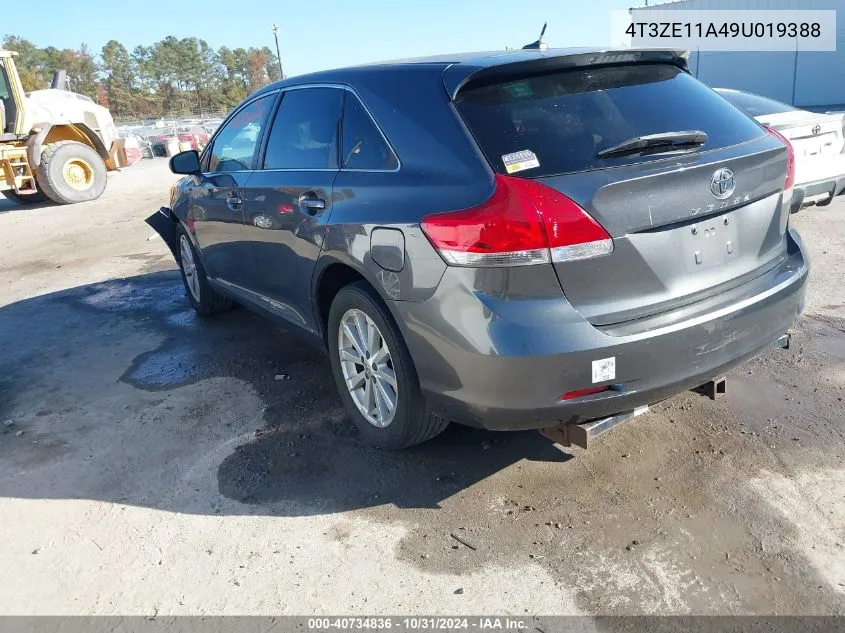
(742,92)
(459,68)
(488,58)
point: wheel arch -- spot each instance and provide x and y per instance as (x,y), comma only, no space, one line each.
(330,275)
(35,143)
(416,421)
(78,132)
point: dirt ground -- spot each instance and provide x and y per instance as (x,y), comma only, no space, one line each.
(153,464)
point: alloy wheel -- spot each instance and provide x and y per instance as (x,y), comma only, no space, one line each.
(189,267)
(367,368)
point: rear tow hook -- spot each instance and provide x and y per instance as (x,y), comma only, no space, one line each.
(718,387)
(584,433)
(714,389)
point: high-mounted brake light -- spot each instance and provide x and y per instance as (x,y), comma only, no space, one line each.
(523,222)
(790,158)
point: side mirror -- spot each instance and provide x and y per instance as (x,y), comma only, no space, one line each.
(186,163)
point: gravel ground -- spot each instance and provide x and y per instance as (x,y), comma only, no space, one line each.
(153,464)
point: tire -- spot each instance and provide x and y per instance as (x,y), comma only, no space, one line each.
(30,198)
(203,298)
(70,159)
(412,421)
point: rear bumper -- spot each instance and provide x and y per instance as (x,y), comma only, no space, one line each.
(490,358)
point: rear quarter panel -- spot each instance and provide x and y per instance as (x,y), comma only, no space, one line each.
(440,170)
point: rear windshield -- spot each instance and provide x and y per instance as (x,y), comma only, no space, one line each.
(557,123)
(755,105)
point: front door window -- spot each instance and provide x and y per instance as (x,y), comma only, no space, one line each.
(236,146)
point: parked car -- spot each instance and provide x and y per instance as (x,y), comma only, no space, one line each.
(136,147)
(211,125)
(516,240)
(817,139)
(194,135)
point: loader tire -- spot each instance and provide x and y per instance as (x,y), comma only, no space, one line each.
(71,172)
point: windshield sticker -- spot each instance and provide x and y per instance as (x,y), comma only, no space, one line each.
(520,161)
(520,90)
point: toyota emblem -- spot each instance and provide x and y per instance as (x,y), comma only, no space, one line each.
(722,183)
(817,130)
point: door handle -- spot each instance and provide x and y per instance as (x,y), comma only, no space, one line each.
(234,201)
(311,202)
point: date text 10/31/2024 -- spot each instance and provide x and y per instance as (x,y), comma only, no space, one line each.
(416,624)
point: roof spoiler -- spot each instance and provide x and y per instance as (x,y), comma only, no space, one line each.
(516,64)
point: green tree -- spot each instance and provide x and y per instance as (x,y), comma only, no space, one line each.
(169,75)
(211,77)
(103,96)
(199,72)
(273,73)
(234,87)
(29,62)
(145,78)
(118,70)
(79,64)
(81,70)
(169,68)
(257,69)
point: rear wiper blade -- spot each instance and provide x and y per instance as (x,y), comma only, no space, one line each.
(665,141)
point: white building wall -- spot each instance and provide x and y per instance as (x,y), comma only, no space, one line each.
(803,78)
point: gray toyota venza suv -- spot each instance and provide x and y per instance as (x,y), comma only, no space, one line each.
(510,240)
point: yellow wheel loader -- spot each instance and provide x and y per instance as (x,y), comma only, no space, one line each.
(54,144)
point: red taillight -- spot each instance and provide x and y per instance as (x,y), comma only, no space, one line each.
(790,158)
(523,222)
(580,393)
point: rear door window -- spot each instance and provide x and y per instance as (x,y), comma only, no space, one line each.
(363,146)
(557,123)
(305,132)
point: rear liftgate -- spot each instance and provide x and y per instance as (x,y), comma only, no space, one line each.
(584,433)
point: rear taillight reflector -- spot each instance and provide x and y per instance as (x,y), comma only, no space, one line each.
(580,393)
(523,222)
(790,158)
(507,258)
(582,251)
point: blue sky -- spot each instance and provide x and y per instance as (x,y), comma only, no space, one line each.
(319,34)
